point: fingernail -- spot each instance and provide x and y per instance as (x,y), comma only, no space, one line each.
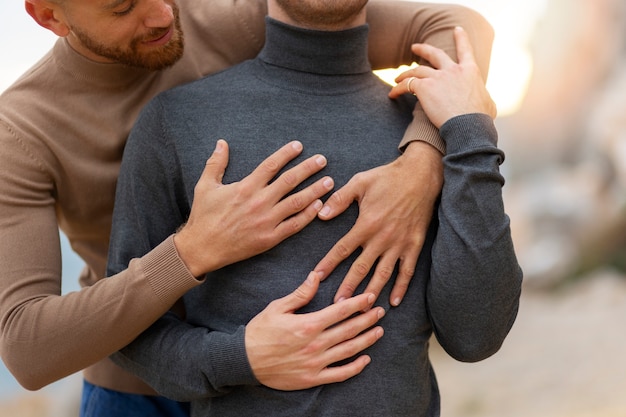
(340,299)
(321,160)
(371,298)
(328,183)
(381,313)
(296,145)
(396,301)
(317,205)
(325,211)
(219,146)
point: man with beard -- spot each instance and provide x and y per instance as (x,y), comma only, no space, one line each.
(312,81)
(63,126)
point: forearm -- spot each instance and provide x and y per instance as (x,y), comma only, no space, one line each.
(46,337)
(184,363)
(475,284)
(396,25)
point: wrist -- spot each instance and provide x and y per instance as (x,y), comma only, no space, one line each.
(188,253)
(426,162)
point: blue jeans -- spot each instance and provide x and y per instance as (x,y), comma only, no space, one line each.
(101,402)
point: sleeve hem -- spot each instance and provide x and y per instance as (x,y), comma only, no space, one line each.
(232,352)
(469,131)
(166,272)
(423,130)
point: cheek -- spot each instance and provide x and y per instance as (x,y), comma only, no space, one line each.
(117,33)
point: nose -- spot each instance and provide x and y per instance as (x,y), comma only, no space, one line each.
(160,14)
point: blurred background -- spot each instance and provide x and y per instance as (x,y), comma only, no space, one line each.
(558,75)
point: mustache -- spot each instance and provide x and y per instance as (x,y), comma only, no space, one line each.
(156,33)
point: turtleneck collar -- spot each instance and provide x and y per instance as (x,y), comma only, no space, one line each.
(317,52)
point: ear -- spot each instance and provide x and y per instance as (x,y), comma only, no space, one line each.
(47,14)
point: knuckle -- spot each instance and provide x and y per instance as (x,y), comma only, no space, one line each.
(385,272)
(309,328)
(387,234)
(361,268)
(346,310)
(336,198)
(353,330)
(199,188)
(296,202)
(358,336)
(253,205)
(273,305)
(243,189)
(358,178)
(311,375)
(300,293)
(289,179)
(401,287)
(262,241)
(271,165)
(345,375)
(202,185)
(342,250)
(313,349)
(406,272)
(348,287)
(307,380)
(295,225)
(375,221)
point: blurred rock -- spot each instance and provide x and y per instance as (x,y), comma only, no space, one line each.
(566,147)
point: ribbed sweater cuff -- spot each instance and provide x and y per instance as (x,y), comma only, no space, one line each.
(230,362)
(469,131)
(423,130)
(167,274)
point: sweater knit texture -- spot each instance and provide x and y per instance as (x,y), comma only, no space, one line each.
(63,127)
(316,87)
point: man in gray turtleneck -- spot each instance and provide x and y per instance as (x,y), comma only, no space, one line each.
(312,82)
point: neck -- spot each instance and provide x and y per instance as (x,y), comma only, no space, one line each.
(318,52)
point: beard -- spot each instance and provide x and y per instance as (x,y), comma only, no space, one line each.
(131,55)
(326,14)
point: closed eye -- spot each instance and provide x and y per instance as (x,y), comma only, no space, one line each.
(126,11)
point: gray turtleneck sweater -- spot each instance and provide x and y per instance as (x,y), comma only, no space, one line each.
(316,87)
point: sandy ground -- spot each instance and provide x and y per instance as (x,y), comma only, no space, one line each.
(564,357)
